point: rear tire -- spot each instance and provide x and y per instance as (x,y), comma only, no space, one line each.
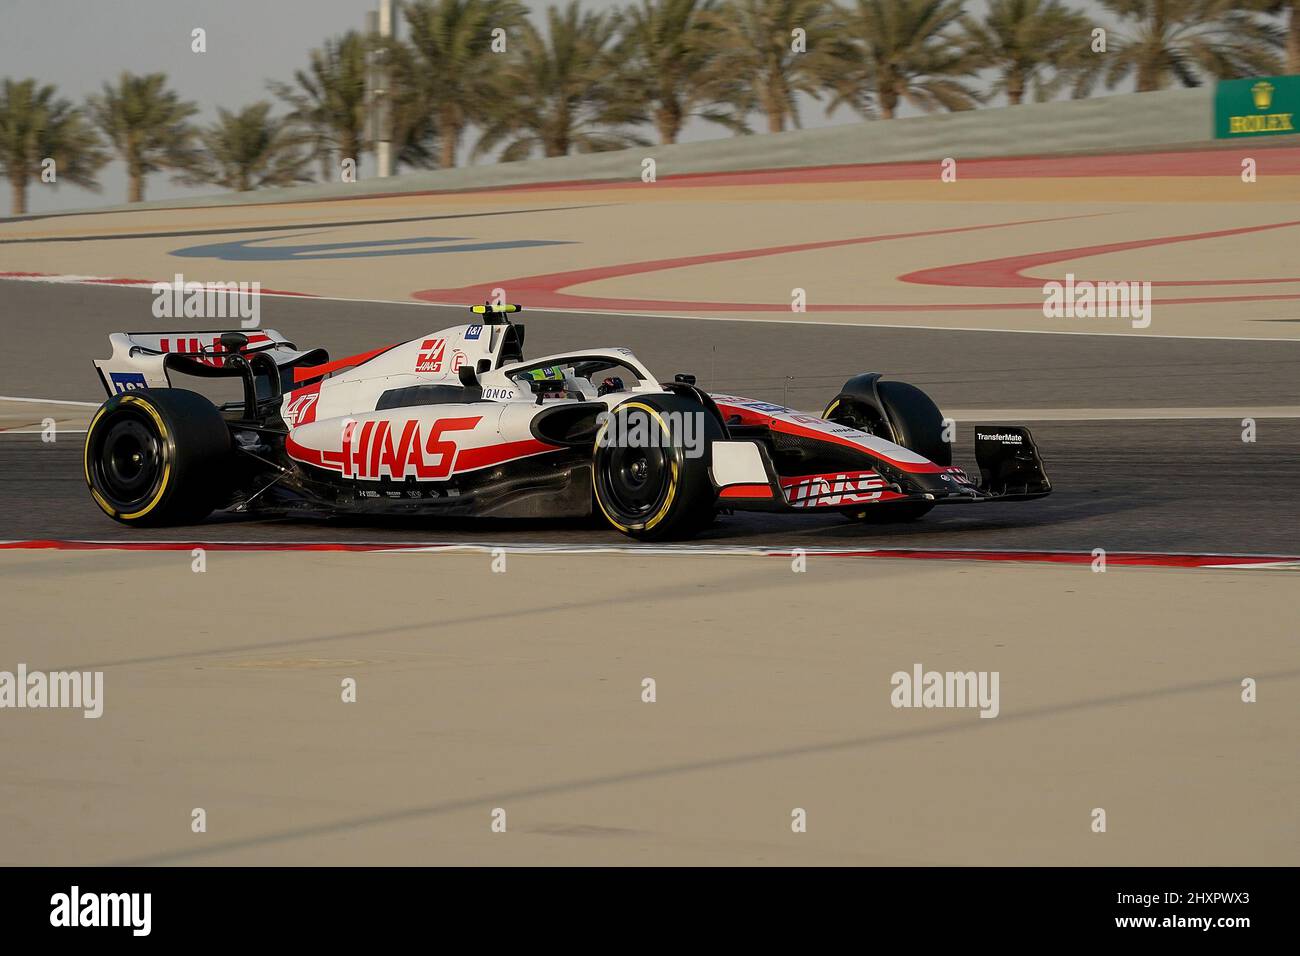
(660,489)
(910,418)
(157,457)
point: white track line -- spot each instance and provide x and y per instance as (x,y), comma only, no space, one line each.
(1149,560)
(1119,414)
(47,401)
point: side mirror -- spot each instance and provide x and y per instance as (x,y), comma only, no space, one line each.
(233,341)
(544,386)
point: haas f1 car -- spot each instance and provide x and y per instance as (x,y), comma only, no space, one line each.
(459,423)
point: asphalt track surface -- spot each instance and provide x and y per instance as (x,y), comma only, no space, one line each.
(1150,485)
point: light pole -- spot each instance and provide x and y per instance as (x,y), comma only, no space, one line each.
(381,125)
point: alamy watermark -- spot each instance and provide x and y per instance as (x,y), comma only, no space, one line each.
(922,688)
(75,908)
(208,300)
(1098,300)
(635,428)
(24,689)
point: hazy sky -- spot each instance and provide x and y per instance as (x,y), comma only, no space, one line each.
(79,44)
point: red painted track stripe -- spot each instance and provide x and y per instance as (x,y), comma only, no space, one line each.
(549,290)
(1212,161)
(1008,272)
(1114,558)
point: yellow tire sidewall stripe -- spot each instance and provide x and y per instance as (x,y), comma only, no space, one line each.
(167,465)
(672,486)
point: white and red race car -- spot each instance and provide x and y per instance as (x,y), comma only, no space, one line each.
(459,423)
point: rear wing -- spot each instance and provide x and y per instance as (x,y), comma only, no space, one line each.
(147,359)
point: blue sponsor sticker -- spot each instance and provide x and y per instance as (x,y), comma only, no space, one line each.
(126,381)
(474,331)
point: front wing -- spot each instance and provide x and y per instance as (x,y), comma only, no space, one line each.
(1010,469)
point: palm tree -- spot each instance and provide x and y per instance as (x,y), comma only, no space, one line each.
(756,43)
(1292,10)
(563,91)
(905,51)
(34,126)
(1031,43)
(330,99)
(251,149)
(669,46)
(148,125)
(1188,41)
(453,61)
(412,118)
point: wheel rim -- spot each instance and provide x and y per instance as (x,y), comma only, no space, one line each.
(127,464)
(635,484)
(637,480)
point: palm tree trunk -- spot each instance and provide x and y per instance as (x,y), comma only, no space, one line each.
(888,104)
(135,186)
(668,120)
(1015,88)
(18,197)
(772,101)
(448,147)
(556,138)
(556,144)
(888,84)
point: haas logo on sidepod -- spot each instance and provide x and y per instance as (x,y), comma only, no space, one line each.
(397,449)
(430,358)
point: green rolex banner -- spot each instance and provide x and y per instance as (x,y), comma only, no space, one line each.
(1260,106)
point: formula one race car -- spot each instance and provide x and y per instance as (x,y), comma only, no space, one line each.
(458,423)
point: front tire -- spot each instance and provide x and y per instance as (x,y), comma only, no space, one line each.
(157,457)
(656,489)
(906,416)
